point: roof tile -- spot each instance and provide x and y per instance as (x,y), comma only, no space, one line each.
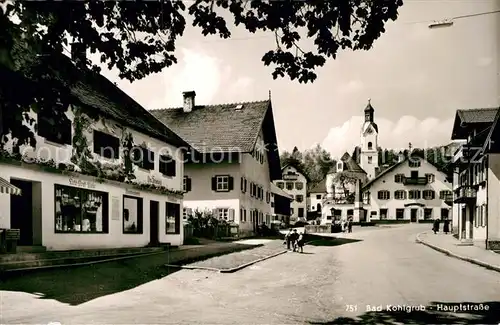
(219,128)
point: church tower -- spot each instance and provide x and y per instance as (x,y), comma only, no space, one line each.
(369,135)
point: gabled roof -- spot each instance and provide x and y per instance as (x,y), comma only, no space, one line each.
(93,91)
(490,145)
(467,119)
(224,128)
(220,127)
(298,168)
(319,188)
(393,167)
(278,191)
(350,165)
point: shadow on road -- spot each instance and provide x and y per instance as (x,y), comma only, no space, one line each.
(433,314)
(81,284)
(333,241)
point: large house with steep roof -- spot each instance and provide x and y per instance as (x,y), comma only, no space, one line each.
(294,183)
(108,176)
(235,162)
(476,180)
(412,189)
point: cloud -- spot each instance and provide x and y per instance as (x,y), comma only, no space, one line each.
(196,70)
(394,135)
(350,87)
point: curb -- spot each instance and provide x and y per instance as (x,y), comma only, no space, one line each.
(460,257)
(231,270)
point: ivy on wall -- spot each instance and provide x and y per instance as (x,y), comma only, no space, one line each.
(82,160)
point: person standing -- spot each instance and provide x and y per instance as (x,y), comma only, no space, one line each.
(446,226)
(300,242)
(288,238)
(293,239)
(435,226)
(349,225)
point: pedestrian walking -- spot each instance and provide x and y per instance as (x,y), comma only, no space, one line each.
(446,226)
(435,226)
(288,238)
(349,225)
(343,224)
(300,242)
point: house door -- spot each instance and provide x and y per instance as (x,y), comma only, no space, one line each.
(154,215)
(413,215)
(463,222)
(21,212)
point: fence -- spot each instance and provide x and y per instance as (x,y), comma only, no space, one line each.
(219,231)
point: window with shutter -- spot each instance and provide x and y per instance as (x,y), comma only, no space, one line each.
(59,132)
(143,158)
(167,166)
(106,145)
(222,183)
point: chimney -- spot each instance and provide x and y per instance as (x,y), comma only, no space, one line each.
(189,97)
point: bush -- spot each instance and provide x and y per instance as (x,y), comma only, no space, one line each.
(206,225)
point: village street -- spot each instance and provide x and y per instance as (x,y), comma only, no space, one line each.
(325,283)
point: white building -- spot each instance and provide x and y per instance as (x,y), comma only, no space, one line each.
(72,184)
(412,189)
(294,183)
(476,182)
(315,198)
(238,158)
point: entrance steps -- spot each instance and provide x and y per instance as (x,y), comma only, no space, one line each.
(50,259)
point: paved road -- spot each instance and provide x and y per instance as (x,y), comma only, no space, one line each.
(327,285)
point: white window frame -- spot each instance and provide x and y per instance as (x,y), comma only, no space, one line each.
(431,178)
(400,197)
(223,213)
(418,197)
(430,196)
(385,195)
(222,183)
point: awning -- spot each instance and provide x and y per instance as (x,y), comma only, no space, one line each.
(8,188)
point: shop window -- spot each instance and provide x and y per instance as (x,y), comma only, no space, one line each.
(400,213)
(80,210)
(132,215)
(383,214)
(106,145)
(172,218)
(428,213)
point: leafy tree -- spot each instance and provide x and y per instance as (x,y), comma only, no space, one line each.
(317,163)
(139,37)
(293,158)
(347,181)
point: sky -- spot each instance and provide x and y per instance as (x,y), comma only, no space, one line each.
(416,78)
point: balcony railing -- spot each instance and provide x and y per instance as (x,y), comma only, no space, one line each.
(465,194)
(415,181)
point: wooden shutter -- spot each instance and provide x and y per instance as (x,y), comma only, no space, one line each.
(214,183)
(231,215)
(140,215)
(188,184)
(177,218)
(230,184)
(171,167)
